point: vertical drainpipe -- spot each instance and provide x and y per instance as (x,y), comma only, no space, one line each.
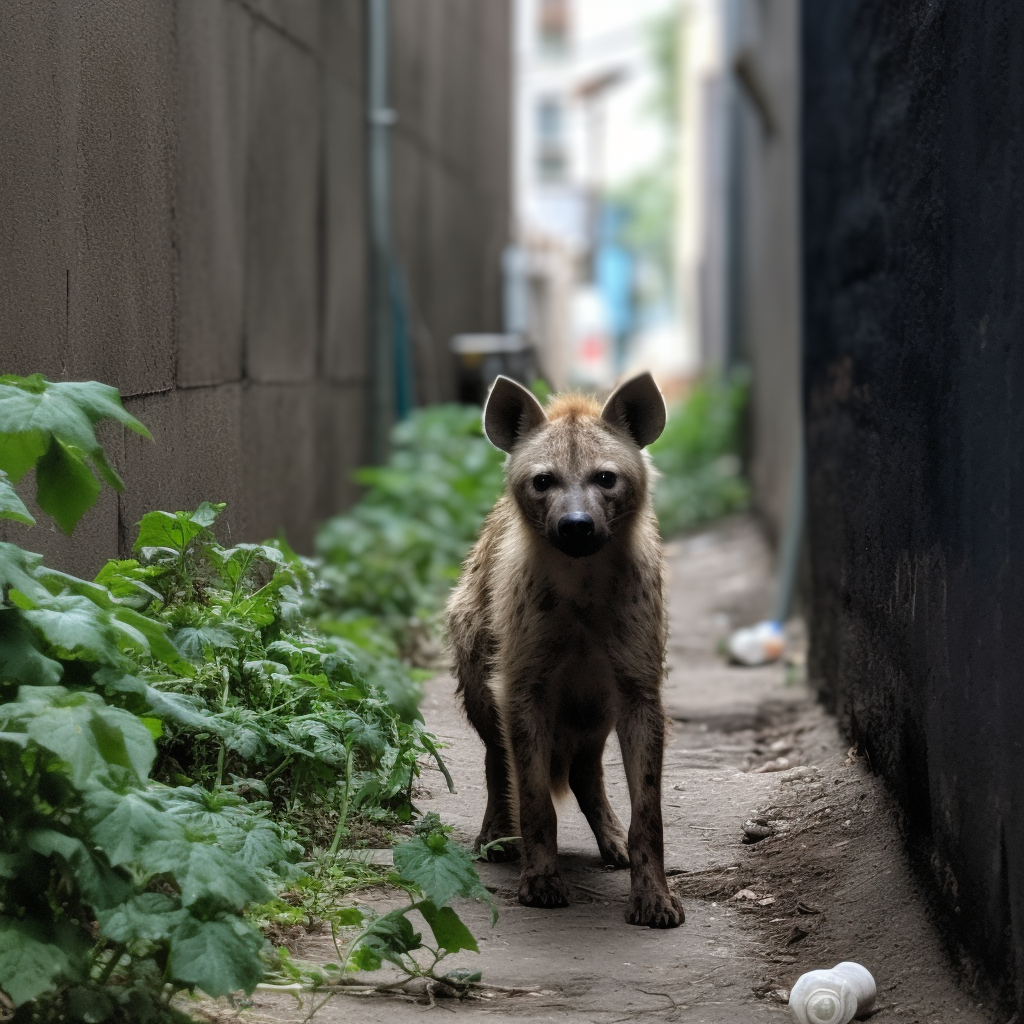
(735,349)
(380,117)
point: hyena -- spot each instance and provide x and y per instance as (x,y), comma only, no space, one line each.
(558,630)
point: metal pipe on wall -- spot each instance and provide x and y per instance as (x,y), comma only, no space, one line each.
(380,117)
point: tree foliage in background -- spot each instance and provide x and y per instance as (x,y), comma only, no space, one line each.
(649,198)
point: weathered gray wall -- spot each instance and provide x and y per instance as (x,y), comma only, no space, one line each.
(914,172)
(768,75)
(182,215)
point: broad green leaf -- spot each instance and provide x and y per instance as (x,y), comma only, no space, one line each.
(89,1005)
(149,915)
(191,641)
(348,917)
(205,874)
(175,530)
(102,888)
(146,634)
(365,958)
(124,740)
(439,868)
(125,826)
(18,569)
(19,452)
(11,506)
(218,956)
(364,733)
(127,578)
(207,512)
(154,726)
(180,708)
(449,931)
(65,486)
(84,732)
(33,410)
(105,470)
(156,637)
(30,963)
(165,530)
(391,936)
(21,661)
(77,628)
(100,401)
(261,845)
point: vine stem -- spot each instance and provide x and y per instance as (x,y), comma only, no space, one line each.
(115,958)
(343,817)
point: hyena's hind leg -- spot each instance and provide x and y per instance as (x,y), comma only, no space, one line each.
(586,780)
(499,817)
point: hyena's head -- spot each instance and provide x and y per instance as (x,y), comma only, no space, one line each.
(577,471)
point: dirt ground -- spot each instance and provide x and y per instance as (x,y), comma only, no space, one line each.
(828,882)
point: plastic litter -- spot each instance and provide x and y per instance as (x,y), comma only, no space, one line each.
(833,997)
(758,645)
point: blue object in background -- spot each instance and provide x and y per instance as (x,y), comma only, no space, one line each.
(614,277)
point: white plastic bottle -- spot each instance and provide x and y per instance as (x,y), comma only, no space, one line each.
(757,645)
(833,997)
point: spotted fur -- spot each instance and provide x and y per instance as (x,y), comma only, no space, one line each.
(556,644)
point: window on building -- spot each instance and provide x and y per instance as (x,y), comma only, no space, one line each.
(553,25)
(551,138)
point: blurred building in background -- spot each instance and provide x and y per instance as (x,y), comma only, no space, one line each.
(593,163)
(656,202)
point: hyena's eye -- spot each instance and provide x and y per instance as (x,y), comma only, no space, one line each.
(606,479)
(542,481)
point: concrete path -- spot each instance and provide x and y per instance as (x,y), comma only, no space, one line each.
(828,883)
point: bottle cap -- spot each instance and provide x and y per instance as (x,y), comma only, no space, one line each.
(824,1006)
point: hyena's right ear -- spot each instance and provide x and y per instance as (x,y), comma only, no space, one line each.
(510,412)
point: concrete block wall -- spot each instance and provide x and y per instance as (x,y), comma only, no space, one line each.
(183,216)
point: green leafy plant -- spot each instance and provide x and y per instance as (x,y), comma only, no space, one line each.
(49,427)
(388,564)
(312,723)
(168,732)
(115,891)
(698,456)
(431,870)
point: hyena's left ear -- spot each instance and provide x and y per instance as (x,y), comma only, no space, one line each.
(638,407)
(510,412)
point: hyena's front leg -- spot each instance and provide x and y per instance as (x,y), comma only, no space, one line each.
(586,780)
(529,734)
(641,730)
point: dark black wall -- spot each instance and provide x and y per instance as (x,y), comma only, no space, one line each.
(913,168)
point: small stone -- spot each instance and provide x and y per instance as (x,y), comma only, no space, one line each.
(754,833)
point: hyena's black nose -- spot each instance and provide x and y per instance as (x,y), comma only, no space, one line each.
(576,526)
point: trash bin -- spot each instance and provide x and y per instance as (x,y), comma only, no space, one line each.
(482,357)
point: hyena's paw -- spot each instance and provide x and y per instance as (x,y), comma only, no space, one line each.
(543,891)
(614,852)
(655,908)
(509,849)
